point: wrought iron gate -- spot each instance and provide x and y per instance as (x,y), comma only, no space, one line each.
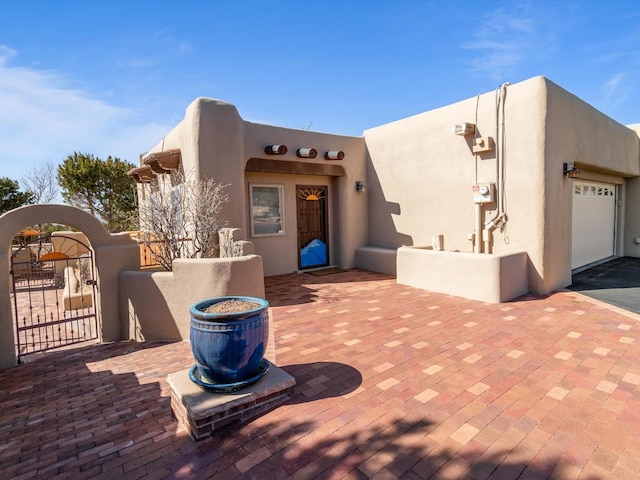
(53,290)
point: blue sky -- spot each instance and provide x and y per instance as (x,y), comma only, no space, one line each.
(112,77)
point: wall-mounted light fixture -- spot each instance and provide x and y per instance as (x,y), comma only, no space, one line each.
(465,128)
(570,170)
(275,149)
(307,152)
(360,187)
(334,155)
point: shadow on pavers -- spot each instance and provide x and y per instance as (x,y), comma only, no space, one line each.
(616,282)
(318,380)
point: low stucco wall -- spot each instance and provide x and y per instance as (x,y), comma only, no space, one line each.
(488,278)
(155,305)
(377,259)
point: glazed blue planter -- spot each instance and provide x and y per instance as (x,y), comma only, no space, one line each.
(229,347)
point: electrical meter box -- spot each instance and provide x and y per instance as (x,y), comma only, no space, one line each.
(484,193)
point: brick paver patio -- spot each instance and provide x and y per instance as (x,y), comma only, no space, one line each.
(393,382)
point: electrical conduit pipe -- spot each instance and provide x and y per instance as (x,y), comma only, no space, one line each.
(478,236)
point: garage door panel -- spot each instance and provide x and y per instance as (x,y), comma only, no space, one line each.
(593,223)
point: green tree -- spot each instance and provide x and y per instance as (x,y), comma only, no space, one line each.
(11,197)
(100,187)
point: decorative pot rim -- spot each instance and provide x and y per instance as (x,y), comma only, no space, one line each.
(197,312)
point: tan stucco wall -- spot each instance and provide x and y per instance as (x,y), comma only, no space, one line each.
(155,305)
(377,259)
(602,148)
(216,142)
(420,174)
(113,253)
(488,278)
(631,212)
(281,251)
(348,208)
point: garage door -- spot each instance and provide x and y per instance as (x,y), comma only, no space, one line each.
(593,222)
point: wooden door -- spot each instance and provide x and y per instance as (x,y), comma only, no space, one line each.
(313,248)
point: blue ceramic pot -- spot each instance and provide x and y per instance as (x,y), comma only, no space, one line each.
(229,347)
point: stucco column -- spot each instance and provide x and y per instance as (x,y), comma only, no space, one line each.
(7,347)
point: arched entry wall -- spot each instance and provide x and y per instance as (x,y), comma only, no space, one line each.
(113,253)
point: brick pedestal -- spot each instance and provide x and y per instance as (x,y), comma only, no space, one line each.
(201,413)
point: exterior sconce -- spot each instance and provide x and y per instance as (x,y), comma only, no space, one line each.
(570,170)
(275,149)
(465,128)
(360,187)
(307,153)
(334,155)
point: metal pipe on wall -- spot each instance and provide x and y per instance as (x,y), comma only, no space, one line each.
(478,236)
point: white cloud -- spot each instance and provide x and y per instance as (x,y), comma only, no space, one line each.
(43,117)
(616,91)
(505,39)
(138,63)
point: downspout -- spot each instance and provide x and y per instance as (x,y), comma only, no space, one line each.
(500,215)
(478,236)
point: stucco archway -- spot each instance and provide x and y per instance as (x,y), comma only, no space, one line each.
(113,253)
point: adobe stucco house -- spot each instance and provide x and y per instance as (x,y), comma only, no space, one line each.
(487,212)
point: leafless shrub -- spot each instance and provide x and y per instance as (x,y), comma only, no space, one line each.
(41,182)
(180,217)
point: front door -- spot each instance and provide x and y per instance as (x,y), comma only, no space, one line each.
(313,248)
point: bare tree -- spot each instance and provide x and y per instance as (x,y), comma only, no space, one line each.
(180,217)
(41,183)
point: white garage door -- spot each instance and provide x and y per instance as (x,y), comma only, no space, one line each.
(593,222)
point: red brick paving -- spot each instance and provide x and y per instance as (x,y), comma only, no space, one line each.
(393,382)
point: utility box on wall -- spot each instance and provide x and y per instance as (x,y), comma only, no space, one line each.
(484,193)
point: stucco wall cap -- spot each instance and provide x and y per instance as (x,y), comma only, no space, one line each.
(213,107)
(635,127)
(214,101)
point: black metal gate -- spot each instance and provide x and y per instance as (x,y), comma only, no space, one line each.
(53,290)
